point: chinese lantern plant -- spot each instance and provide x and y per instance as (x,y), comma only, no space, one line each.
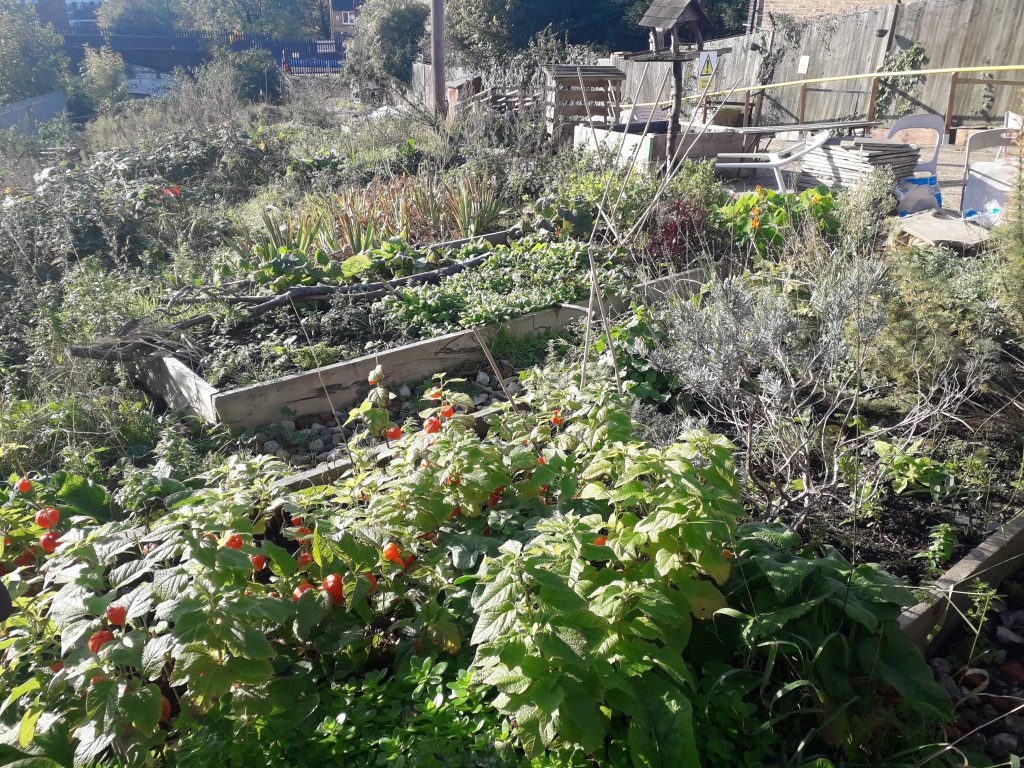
(591,582)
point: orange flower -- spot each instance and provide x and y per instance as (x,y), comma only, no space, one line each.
(755,223)
(755,211)
(757,188)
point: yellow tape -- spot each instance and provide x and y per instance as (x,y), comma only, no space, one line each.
(841,78)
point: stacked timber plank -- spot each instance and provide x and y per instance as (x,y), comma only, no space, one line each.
(848,162)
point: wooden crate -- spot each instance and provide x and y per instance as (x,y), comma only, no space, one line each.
(581,95)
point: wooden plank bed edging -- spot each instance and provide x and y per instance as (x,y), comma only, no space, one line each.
(929,623)
(177,385)
(342,385)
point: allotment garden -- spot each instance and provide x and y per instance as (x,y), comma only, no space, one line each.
(399,445)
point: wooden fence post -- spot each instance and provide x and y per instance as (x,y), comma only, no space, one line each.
(873,98)
(949,106)
(801,118)
(437,57)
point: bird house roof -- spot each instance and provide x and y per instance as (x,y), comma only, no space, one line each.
(665,14)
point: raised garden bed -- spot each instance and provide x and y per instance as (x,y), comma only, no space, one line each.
(932,621)
(334,388)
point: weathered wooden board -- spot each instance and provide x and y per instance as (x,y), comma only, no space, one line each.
(942,228)
(1001,555)
(337,387)
(177,385)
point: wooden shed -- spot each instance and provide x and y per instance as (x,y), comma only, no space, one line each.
(581,95)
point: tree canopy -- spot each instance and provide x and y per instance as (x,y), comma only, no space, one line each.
(31,60)
(387,40)
(162,14)
(484,28)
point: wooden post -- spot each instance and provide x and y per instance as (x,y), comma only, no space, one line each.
(949,106)
(677,109)
(437,56)
(873,98)
(758,104)
(802,117)
(746,109)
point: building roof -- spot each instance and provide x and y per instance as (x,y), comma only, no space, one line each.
(665,14)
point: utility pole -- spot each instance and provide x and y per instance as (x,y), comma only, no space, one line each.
(437,56)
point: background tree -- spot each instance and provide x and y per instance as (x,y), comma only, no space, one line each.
(104,83)
(280,18)
(387,39)
(31,60)
(481,29)
(161,14)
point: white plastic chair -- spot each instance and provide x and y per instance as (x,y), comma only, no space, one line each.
(1014,122)
(990,180)
(923,121)
(776,161)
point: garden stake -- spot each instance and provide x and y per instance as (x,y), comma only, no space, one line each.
(608,218)
(494,367)
(323,386)
(596,293)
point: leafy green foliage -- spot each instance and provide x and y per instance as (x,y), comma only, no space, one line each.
(386,41)
(586,573)
(516,279)
(837,668)
(104,85)
(908,471)
(766,219)
(31,60)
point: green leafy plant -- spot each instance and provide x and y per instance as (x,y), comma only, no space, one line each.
(765,219)
(909,472)
(942,541)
